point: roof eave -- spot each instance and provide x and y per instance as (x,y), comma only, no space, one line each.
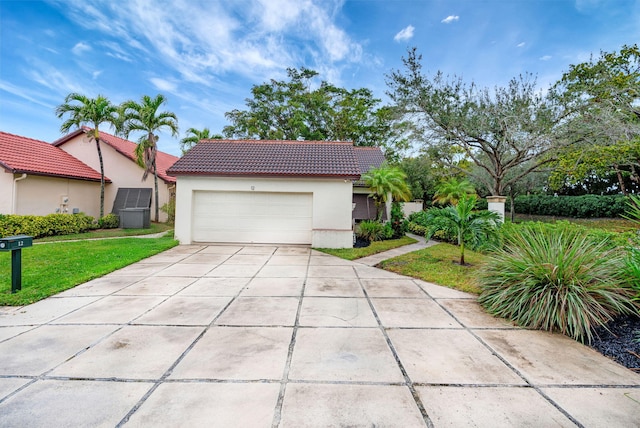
(265,175)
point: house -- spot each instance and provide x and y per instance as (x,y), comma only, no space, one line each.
(120,164)
(257,191)
(364,206)
(38,178)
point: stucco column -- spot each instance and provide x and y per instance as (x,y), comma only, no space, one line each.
(496,204)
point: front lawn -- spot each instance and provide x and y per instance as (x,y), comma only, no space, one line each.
(374,248)
(48,269)
(439,264)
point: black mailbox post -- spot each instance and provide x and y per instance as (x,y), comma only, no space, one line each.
(15,244)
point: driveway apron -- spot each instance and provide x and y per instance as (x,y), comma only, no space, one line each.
(266,336)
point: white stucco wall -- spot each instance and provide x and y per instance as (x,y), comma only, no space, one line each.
(122,171)
(331,204)
(6,192)
(39,195)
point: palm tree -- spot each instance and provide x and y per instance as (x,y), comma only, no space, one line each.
(144,116)
(473,227)
(88,114)
(385,182)
(452,190)
(194,136)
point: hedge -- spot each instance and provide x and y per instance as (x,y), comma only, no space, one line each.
(586,206)
(48,225)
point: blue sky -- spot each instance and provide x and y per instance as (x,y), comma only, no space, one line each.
(205,55)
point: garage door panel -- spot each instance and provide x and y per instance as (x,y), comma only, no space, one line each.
(252,217)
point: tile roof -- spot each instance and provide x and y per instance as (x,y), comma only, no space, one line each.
(369,157)
(279,158)
(127,148)
(25,155)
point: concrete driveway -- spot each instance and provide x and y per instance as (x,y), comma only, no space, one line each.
(287,336)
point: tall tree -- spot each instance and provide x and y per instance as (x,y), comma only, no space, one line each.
(603,97)
(144,116)
(194,136)
(387,182)
(291,109)
(497,130)
(88,114)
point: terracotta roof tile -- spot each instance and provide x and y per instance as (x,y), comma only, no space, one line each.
(269,158)
(127,148)
(25,155)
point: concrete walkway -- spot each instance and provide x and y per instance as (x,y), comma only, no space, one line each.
(386,255)
(266,337)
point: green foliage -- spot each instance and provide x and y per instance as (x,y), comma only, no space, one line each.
(398,223)
(384,181)
(169,208)
(452,190)
(476,228)
(110,221)
(602,120)
(288,110)
(498,130)
(417,229)
(632,269)
(90,113)
(194,136)
(145,117)
(374,248)
(48,225)
(372,230)
(633,209)
(586,206)
(556,278)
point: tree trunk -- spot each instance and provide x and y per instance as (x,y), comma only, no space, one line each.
(155,179)
(462,253)
(620,180)
(101,177)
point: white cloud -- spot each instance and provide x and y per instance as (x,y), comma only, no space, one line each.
(96,74)
(545,58)
(80,48)
(449,19)
(163,85)
(520,45)
(404,34)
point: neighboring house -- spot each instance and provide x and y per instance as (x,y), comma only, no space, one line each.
(257,191)
(37,178)
(364,205)
(120,164)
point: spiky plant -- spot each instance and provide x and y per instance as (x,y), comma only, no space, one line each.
(556,278)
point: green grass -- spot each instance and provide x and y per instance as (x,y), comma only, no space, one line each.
(374,248)
(439,264)
(51,268)
(108,233)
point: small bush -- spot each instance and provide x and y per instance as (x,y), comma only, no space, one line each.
(398,222)
(417,229)
(170,209)
(371,230)
(556,278)
(110,221)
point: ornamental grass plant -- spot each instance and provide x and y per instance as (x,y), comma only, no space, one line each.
(556,278)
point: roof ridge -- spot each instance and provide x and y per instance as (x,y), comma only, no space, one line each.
(277,141)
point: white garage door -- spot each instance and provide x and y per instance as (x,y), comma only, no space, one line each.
(252,217)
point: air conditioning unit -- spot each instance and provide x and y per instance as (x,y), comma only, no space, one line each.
(64,199)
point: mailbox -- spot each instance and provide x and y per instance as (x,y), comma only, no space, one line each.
(17,242)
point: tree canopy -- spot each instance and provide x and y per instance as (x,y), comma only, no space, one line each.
(602,97)
(292,109)
(499,131)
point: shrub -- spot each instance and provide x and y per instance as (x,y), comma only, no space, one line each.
(371,230)
(170,209)
(110,221)
(556,278)
(48,225)
(585,206)
(398,222)
(417,229)
(632,269)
